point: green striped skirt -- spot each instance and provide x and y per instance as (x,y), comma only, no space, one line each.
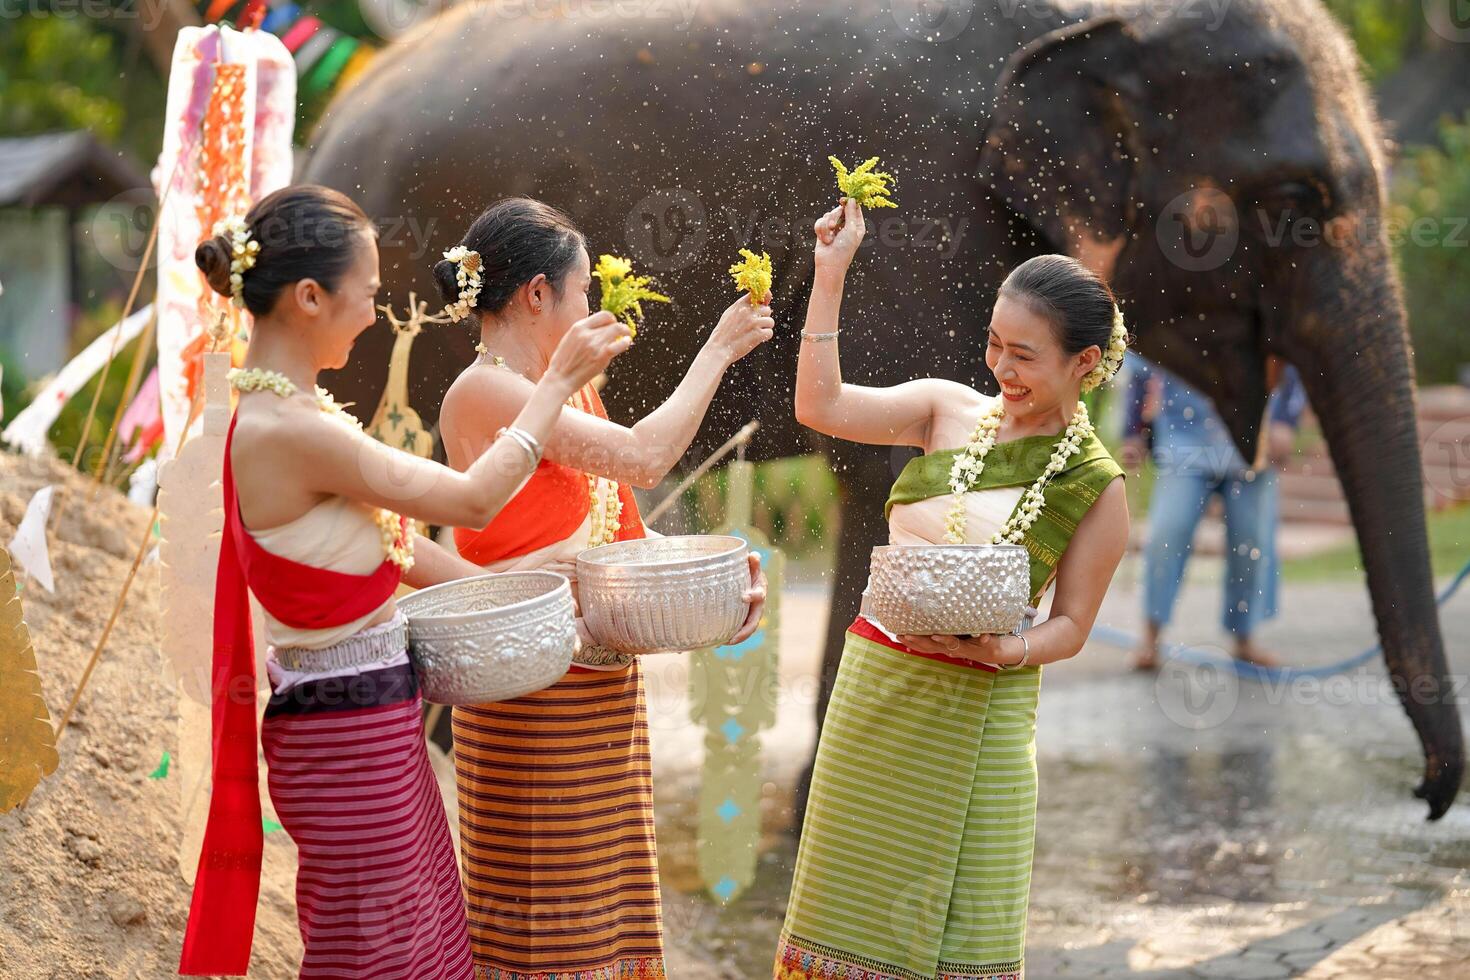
(915,857)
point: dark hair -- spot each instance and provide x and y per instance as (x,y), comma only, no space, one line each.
(305,232)
(517,238)
(1073,297)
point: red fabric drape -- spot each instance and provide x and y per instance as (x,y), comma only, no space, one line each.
(227,885)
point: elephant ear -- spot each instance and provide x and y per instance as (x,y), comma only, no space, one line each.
(1058,147)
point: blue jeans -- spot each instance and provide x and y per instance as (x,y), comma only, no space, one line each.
(1251,567)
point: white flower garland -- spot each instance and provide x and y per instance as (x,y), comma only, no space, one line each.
(243,250)
(397,532)
(467,274)
(604,508)
(965,472)
(259,379)
(1112,358)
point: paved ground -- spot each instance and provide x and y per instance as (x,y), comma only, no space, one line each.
(1191,824)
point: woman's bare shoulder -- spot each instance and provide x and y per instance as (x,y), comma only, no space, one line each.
(480,389)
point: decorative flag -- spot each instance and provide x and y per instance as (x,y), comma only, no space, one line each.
(229,119)
(28,547)
(27,740)
(27,431)
(733,692)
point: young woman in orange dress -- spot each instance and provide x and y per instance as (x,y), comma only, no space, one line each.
(555,789)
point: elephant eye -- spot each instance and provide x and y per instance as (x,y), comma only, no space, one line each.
(1298,198)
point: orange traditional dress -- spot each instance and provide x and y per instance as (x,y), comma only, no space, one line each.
(556,788)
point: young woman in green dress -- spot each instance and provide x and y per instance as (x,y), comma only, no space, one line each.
(915,857)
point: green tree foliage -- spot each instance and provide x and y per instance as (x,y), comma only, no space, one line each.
(74,72)
(1428,227)
(1385,31)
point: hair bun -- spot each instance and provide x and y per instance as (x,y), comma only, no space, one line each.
(446,275)
(213,259)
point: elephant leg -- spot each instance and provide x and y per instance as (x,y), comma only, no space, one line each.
(864,476)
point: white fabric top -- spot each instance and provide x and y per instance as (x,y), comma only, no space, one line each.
(922,522)
(339,535)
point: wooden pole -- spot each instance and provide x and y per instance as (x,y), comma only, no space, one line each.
(158,24)
(738,439)
(132,572)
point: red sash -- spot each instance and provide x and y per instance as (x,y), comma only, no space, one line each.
(862,627)
(227,884)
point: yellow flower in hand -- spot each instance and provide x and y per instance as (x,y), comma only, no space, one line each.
(869,187)
(622,292)
(753,275)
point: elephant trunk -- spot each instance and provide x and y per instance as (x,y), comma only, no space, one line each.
(1353,351)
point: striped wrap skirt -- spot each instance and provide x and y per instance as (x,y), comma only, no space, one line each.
(377,888)
(915,855)
(556,832)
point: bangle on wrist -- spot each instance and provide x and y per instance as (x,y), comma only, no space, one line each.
(526,441)
(819,337)
(1025,650)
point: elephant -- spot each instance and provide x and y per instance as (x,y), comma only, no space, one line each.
(1219,162)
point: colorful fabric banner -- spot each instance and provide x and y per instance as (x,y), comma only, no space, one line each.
(326,58)
(231,112)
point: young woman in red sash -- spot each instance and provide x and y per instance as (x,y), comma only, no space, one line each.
(555,789)
(320,524)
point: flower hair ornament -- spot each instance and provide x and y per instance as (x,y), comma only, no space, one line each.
(1112,358)
(467,274)
(243,250)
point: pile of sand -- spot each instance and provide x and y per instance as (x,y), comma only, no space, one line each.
(90,871)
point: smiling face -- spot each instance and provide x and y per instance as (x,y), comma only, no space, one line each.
(349,309)
(1024,352)
(331,320)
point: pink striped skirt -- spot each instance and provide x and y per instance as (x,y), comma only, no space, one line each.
(377,889)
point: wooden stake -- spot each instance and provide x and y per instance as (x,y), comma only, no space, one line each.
(127,582)
(738,439)
(130,390)
(127,311)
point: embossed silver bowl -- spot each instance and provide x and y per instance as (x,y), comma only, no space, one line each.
(491,637)
(655,595)
(950,590)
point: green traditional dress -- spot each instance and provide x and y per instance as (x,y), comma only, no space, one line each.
(915,857)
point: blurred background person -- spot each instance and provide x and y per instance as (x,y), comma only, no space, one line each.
(1194,459)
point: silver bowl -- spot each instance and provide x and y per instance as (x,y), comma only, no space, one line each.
(490,637)
(949,590)
(655,595)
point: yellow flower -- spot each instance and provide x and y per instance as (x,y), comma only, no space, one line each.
(753,275)
(868,186)
(622,292)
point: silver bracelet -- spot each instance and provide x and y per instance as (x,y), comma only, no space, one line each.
(526,441)
(1025,650)
(818,338)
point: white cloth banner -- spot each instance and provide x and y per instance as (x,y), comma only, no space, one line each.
(269,119)
(27,431)
(28,547)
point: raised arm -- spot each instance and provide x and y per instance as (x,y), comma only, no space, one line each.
(641,454)
(349,463)
(900,415)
